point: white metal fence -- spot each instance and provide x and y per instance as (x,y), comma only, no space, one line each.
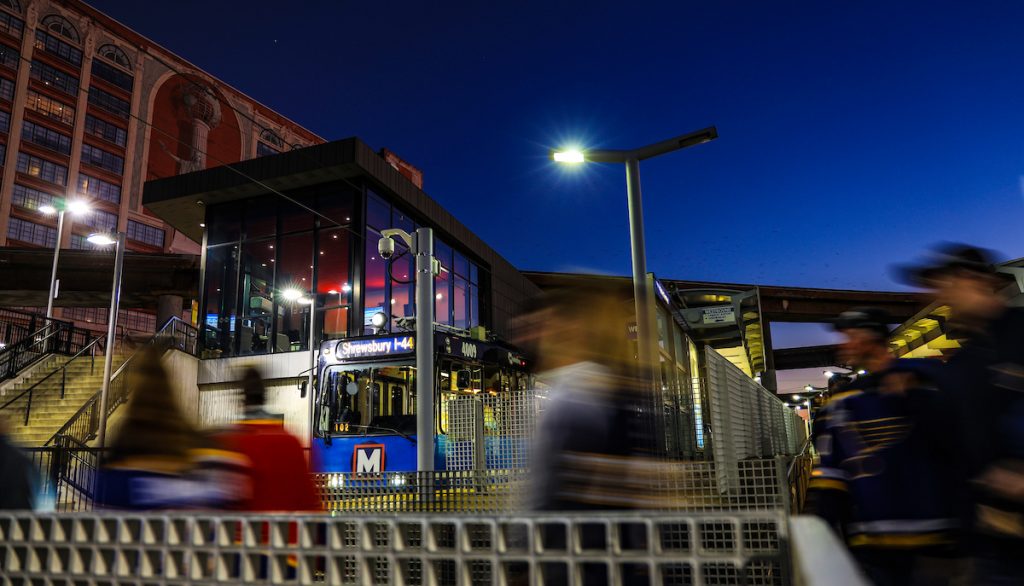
(748,422)
(182,548)
(492,431)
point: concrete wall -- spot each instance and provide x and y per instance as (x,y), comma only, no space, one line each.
(183,370)
(219,401)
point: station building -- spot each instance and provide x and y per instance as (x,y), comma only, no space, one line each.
(309,220)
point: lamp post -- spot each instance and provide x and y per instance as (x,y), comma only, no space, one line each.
(631,158)
(59,207)
(422,245)
(115,303)
(296,296)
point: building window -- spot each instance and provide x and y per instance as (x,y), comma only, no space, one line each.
(55,78)
(109,102)
(60,26)
(145,234)
(5,121)
(6,88)
(11,5)
(50,108)
(51,44)
(272,138)
(105,130)
(45,137)
(115,55)
(112,75)
(11,25)
(31,199)
(42,169)
(3,153)
(31,233)
(9,57)
(263,149)
(130,319)
(101,220)
(102,159)
(99,189)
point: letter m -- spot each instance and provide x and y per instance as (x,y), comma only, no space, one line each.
(368,459)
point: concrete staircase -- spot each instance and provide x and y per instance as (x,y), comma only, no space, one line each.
(49,411)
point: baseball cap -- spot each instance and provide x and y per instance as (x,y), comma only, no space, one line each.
(866,318)
(945,259)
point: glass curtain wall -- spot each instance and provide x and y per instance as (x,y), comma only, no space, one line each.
(261,247)
(389,285)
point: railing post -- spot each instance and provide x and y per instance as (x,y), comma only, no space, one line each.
(56,465)
(63,380)
(28,408)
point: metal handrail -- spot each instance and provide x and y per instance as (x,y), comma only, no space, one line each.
(63,367)
(172,326)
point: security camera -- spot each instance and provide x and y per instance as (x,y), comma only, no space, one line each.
(386,247)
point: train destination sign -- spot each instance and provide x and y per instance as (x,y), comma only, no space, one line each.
(389,346)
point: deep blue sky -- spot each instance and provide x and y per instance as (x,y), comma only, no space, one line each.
(853,134)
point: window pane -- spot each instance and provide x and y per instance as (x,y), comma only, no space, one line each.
(474,306)
(221,283)
(335,323)
(294,218)
(443,253)
(260,216)
(224,223)
(337,204)
(443,298)
(402,296)
(257,297)
(378,212)
(373,286)
(294,271)
(460,303)
(334,271)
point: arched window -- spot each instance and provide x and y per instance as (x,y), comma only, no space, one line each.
(115,55)
(11,5)
(60,26)
(271,137)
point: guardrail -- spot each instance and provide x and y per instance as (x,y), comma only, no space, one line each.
(88,351)
(609,548)
(25,338)
(819,557)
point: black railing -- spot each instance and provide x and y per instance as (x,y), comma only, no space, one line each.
(26,338)
(86,353)
(83,426)
(67,473)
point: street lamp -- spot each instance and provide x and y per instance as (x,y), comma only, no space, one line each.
(115,303)
(631,158)
(76,207)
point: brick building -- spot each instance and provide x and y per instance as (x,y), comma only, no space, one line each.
(90,109)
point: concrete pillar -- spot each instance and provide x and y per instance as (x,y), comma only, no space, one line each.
(168,306)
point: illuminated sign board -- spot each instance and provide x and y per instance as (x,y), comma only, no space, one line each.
(722,314)
(375,347)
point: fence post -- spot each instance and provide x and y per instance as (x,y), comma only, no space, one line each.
(28,408)
(782,482)
(56,465)
(63,380)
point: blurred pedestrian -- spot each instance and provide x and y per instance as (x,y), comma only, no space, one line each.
(880,480)
(158,459)
(592,432)
(985,383)
(280,477)
(18,477)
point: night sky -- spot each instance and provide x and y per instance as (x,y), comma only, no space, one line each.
(853,134)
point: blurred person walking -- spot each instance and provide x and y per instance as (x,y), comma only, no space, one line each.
(881,481)
(280,477)
(159,460)
(18,477)
(592,435)
(984,382)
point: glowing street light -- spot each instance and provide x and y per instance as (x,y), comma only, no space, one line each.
(645,326)
(568,156)
(59,206)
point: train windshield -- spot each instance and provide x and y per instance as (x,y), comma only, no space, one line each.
(367,398)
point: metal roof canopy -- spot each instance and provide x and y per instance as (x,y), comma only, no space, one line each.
(86,276)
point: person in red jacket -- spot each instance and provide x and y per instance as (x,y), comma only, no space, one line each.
(281,479)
